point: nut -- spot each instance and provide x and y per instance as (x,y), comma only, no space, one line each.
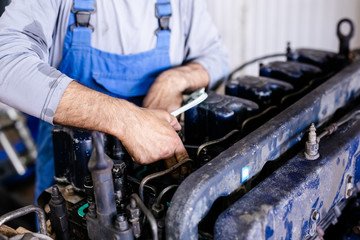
(121,223)
(132,213)
(157,210)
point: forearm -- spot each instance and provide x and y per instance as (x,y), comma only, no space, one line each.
(148,135)
(85,108)
(189,77)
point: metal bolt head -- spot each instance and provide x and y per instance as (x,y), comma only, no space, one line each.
(157,210)
(121,223)
(315,215)
(349,193)
(117,172)
(349,187)
(120,218)
(132,213)
(312,134)
(312,145)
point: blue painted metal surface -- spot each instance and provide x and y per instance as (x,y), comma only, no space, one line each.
(263,91)
(282,205)
(296,73)
(72,151)
(327,61)
(222,175)
(216,117)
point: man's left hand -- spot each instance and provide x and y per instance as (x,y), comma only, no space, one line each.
(166,92)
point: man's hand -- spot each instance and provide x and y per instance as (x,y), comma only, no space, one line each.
(166,92)
(148,135)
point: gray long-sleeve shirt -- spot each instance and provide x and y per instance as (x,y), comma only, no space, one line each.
(32,35)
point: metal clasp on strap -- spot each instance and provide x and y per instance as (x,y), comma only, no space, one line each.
(82,18)
(163,14)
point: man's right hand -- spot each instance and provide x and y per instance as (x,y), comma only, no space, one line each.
(148,135)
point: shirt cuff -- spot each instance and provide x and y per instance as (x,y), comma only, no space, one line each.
(217,71)
(52,101)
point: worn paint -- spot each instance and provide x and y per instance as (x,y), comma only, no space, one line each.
(269,232)
(255,150)
(321,182)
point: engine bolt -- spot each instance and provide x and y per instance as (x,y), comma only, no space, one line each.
(121,223)
(312,144)
(315,215)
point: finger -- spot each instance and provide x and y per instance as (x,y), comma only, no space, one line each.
(171,162)
(174,123)
(181,153)
(145,102)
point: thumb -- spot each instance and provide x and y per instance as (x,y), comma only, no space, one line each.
(175,124)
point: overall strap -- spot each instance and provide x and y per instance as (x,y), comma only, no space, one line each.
(81,28)
(84,5)
(163,13)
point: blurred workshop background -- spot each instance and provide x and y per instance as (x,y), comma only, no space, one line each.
(254,28)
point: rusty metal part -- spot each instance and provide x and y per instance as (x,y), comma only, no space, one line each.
(7,231)
(23,211)
(165,190)
(349,187)
(207,144)
(133,212)
(148,214)
(225,173)
(159,174)
(312,144)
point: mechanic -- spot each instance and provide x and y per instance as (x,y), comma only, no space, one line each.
(87,64)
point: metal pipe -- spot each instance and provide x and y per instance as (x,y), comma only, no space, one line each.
(159,174)
(334,126)
(148,214)
(162,193)
(10,151)
(204,145)
(137,181)
(23,211)
(241,67)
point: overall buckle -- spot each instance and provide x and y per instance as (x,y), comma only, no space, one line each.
(82,18)
(163,14)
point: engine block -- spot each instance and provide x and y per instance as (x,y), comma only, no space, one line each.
(247,177)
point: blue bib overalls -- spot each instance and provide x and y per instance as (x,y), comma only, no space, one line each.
(124,76)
